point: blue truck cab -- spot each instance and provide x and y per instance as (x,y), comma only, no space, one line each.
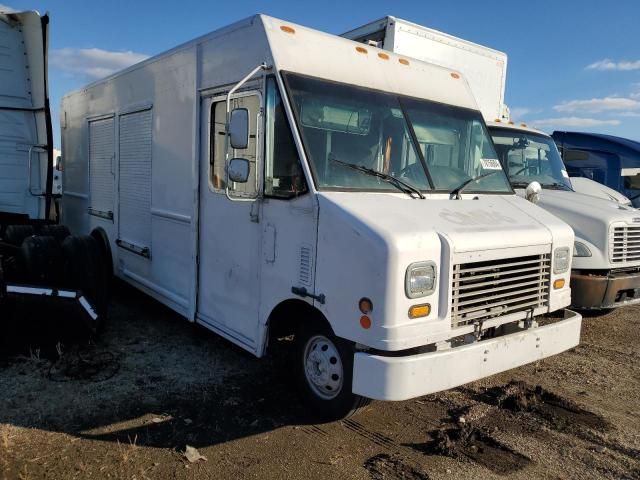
(611,161)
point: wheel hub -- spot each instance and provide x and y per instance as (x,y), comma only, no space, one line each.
(323,367)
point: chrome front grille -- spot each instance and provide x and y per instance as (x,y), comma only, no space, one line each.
(483,290)
(624,245)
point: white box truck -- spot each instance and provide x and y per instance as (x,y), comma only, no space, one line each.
(606,267)
(268,180)
(38,258)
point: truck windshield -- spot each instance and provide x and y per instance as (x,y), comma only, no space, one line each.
(529,157)
(430,146)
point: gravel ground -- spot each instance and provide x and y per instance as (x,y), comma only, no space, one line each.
(128,405)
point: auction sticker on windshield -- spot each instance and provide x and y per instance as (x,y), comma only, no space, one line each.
(490,164)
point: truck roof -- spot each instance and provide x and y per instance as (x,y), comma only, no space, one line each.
(600,138)
(521,127)
(311,52)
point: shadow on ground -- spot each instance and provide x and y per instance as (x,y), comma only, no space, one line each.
(151,378)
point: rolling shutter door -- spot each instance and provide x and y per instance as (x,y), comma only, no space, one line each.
(101,167)
(135,134)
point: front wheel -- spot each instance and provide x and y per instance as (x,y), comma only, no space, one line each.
(324,365)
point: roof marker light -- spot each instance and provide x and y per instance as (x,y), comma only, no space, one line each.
(403,61)
(383,56)
(455,75)
(361,50)
(287,29)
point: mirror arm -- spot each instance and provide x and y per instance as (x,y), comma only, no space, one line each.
(262,66)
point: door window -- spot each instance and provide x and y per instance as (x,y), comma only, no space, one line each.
(284,177)
(218,141)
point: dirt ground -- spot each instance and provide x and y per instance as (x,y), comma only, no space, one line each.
(128,406)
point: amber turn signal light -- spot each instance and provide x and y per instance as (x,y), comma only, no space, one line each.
(365,322)
(558,284)
(418,311)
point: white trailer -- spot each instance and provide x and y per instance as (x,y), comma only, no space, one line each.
(37,257)
(269,180)
(606,254)
(26,146)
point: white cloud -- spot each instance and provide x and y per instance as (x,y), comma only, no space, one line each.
(629,114)
(93,62)
(6,8)
(573,122)
(608,64)
(595,105)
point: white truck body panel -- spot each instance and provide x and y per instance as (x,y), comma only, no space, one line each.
(228,264)
(24,139)
(484,68)
(586,186)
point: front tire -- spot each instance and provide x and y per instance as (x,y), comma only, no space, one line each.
(324,366)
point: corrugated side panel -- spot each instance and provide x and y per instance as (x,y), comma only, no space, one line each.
(17,131)
(135,178)
(101,171)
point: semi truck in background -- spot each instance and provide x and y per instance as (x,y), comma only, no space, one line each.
(613,162)
(271,181)
(606,266)
(38,257)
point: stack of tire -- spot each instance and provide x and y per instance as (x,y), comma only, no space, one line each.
(51,257)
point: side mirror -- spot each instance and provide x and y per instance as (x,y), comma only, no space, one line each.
(238,170)
(239,128)
(532,192)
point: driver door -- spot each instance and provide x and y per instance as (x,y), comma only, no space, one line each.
(229,235)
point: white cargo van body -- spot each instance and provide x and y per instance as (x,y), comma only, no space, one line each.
(484,68)
(309,241)
(25,124)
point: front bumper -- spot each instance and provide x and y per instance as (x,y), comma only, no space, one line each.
(400,378)
(604,291)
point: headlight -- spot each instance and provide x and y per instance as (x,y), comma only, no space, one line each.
(561,259)
(420,279)
(581,250)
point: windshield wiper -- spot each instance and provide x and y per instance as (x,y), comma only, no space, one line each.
(396,182)
(456,191)
(557,185)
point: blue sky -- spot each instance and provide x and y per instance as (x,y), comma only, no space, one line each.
(573,65)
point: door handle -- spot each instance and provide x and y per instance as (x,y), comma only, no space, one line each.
(303,292)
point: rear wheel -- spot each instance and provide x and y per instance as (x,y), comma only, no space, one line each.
(324,365)
(86,270)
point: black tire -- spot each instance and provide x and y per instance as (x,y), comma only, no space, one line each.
(42,260)
(15,234)
(330,395)
(59,232)
(102,239)
(86,271)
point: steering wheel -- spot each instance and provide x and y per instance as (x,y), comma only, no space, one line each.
(410,172)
